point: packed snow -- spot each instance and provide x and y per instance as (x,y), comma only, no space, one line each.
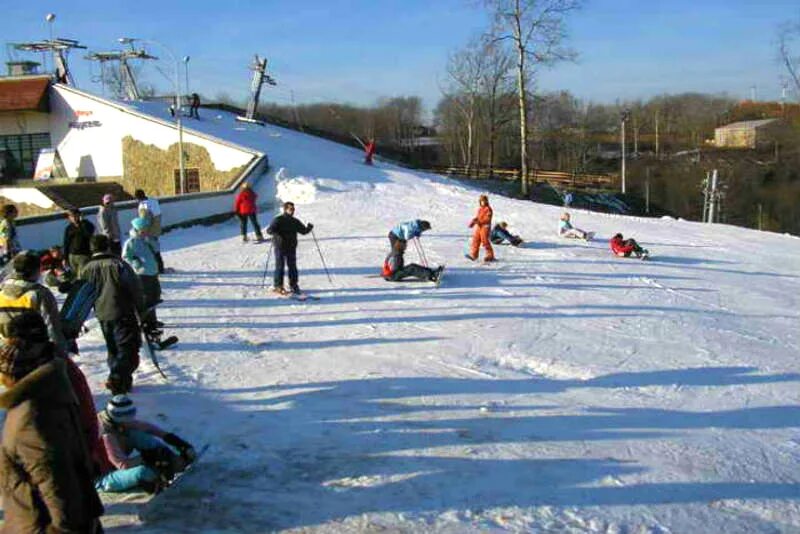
(559,390)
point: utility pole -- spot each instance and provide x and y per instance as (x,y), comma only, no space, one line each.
(260,77)
(657,147)
(625,115)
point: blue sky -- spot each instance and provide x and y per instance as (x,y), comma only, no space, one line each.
(358,50)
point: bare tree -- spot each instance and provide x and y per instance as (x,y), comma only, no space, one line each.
(536,30)
(789,37)
(495,85)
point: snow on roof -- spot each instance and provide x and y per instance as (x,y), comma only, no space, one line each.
(744,125)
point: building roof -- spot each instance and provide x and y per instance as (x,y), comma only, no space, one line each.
(745,125)
(24,93)
(82,195)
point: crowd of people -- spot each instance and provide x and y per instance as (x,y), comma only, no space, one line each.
(57,451)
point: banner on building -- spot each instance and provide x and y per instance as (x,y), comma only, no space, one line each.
(48,165)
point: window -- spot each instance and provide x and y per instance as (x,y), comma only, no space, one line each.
(192,181)
(20,152)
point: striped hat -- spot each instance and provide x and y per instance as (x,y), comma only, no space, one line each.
(120,409)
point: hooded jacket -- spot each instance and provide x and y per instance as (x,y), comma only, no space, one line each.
(483,217)
(18,294)
(619,247)
(108,223)
(47,476)
(119,292)
(76,238)
(408,230)
(284,229)
(140,253)
(245,203)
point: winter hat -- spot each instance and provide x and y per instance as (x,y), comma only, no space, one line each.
(27,346)
(26,263)
(139,224)
(425,225)
(108,198)
(120,409)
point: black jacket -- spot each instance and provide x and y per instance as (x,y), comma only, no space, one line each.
(119,291)
(76,238)
(284,229)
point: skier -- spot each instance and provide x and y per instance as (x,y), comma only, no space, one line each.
(407,230)
(54,270)
(624,247)
(246,208)
(150,209)
(47,470)
(482,222)
(76,240)
(284,229)
(9,243)
(162,455)
(500,235)
(565,229)
(369,151)
(108,223)
(395,269)
(139,253)
(194,106)
(119,296)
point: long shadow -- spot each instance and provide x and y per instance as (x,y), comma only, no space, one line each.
(261,346)
(360,447)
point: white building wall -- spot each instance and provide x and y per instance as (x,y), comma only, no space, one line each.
(88,133)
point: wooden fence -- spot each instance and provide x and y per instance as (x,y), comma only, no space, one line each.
(569,180)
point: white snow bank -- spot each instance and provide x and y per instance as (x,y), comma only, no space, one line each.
(300,190)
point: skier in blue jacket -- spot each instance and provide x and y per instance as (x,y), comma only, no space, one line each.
(408,230)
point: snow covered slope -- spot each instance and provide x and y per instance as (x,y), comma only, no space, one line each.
(559,390)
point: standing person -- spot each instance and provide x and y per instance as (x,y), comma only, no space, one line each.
(161,455)
(150,209)
(407,230)
(139,252)
(369,151)
(108,223)
(565,229)
(119,298)
(194,106)
(245,206)
(625,247)
(76,240)
(482,222)
(284,229)
(47,473)
(9,243)
(395,269)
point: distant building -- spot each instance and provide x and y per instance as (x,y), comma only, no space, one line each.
(747,134)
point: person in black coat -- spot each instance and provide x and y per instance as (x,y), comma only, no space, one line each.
(284,229)
(76,241)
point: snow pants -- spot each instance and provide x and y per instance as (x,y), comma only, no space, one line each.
(412,270)
(125,479)
(504,235)
(287,258)
(151,288)
(253,220)
(574,233)
(480,236)
(123,341)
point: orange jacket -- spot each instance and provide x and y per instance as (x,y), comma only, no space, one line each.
(483,217)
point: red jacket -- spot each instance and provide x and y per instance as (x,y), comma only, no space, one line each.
(483,217)
(619,247)
(245,203)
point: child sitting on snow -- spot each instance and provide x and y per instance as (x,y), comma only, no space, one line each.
(162,455)
(395,269)
(500,235)
(565,229)
(624,247)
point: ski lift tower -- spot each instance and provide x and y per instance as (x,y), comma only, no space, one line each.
(130,89)
(60,49)
(260,77)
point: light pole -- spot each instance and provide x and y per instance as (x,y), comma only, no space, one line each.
(177,83)
(624,119)
(186,70)
(50,18)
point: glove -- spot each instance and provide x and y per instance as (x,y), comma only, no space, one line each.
(187,451)
(310,226)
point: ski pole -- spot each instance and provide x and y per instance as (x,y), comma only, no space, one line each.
(422,251)
(321,257)
(266,264)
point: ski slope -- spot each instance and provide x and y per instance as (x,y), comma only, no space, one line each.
(558,390)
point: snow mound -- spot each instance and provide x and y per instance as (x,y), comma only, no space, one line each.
(300,190)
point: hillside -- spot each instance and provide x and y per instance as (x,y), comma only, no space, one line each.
(561,389)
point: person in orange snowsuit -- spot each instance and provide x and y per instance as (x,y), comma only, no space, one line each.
(482,224)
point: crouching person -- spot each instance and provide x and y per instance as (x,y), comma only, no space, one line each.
(44,461)
(161,455)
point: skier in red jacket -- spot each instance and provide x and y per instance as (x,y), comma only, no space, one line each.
(245,208)
(626,247)
(369,151)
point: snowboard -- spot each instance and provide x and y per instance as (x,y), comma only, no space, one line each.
(76,308)
(155,499)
